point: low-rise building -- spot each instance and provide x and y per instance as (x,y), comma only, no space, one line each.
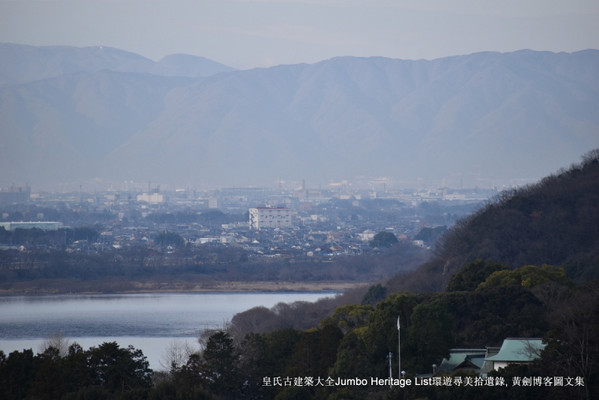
(45,226)
(151,198)
(516,351)
(470,360)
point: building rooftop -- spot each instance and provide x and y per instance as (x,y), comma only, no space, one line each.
(463,359)
(518,350)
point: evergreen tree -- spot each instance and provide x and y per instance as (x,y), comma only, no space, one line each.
(383,239)
(221,366)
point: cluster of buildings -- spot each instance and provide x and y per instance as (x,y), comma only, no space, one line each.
(14,195)
(309,222)
(485,360)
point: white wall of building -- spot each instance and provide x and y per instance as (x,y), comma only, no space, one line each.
(270,217)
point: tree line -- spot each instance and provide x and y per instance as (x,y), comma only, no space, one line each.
(104,372)
(190,264)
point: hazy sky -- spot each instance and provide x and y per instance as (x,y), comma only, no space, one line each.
(253,33)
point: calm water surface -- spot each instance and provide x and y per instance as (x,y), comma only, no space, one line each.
(150,322)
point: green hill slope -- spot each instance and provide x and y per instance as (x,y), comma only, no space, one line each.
(555,222)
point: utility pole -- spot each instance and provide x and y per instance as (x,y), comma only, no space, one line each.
(398,349)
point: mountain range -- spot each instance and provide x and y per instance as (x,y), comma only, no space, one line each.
(99,115)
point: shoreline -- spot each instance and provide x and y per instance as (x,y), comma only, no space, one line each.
(138,287)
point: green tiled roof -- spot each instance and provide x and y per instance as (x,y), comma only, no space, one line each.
(459,357)
(519,350)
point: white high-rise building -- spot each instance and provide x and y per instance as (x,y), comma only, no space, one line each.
(270,217)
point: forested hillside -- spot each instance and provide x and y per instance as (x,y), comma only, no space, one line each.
(555,222)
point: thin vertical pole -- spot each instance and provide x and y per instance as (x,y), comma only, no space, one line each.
(390,358)
(398,349)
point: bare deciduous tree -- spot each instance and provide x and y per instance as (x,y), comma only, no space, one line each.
(58,341)
(176,354)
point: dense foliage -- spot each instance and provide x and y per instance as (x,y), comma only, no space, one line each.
(103,372)
(354,341)
(383,239)
(555,222)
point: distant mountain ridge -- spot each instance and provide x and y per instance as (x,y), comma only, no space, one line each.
(23,63)
(113,116)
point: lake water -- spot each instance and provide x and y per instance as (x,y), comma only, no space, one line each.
(150,322)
